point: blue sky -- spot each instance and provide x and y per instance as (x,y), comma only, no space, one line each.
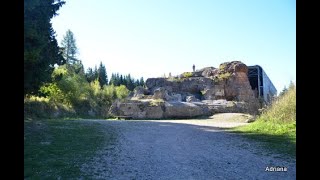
(150,38)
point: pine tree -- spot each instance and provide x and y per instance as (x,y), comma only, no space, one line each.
(117,82)
(141,82)
(121,80)
(89,75)
(102,75)
(41,50)
(129,82)
(95,73)
(137,83)
(69,47)
(112,79)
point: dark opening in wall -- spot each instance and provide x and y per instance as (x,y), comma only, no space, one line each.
(230,98)
(253,82)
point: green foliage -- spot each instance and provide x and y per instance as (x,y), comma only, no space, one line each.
(187,74)
(141,82)
(42,107)
(92,74)
(223,66)
(71,89)
(284,91)
(74,86)
(277,125)
(102,75)
(222,77)
(283,110)
(53,93)
(126,80)
(121,92)
(41,49)
(69,47)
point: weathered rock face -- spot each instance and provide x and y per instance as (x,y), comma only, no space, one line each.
(160,93)
(224,106)
(192,85)
(229,82)
(137,109)
(158,110)
(191,94)
(184,110)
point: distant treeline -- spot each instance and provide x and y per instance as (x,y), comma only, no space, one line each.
(116,78)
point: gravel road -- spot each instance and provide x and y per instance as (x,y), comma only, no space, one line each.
(183,149)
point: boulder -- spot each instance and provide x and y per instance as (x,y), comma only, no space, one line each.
(192,99)
(160,93)
(140,92)
(175,97)
(184,110)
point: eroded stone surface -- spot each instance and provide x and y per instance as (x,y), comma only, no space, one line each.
(192,94)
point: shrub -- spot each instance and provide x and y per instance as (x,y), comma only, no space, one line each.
(187,74)
(222,77)
(71,89)
(122,92)
(276,126)
(283,109)
(42,107)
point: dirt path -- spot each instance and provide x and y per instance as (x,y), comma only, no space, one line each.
(184,149)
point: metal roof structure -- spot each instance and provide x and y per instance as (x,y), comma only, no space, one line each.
(261,83)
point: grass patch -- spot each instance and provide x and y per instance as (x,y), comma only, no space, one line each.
(57,148)
(276,127)
(278,138)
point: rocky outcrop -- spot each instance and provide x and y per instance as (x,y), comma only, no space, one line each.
(158,109)
(184,86)
(184,110)
(160,93)
(204,92)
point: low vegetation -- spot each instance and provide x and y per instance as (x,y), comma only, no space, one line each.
(56,149)
(222,77)
(71,95)
(276,127)
(187,74)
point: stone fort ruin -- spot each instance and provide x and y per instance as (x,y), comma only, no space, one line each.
(233,87)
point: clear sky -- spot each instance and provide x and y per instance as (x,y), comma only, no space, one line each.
(149,38)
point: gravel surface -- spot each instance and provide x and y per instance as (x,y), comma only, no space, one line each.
(184,149)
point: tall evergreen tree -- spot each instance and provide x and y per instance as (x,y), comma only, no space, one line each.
(130,82)
(89,75)
(95,73)
(102,75)
(79,69)
(137,83)
(141,82)
(112,79)
(69,47)
(117,81)
(41,50)
(121,80)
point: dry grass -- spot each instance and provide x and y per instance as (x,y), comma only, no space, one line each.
(276,127)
